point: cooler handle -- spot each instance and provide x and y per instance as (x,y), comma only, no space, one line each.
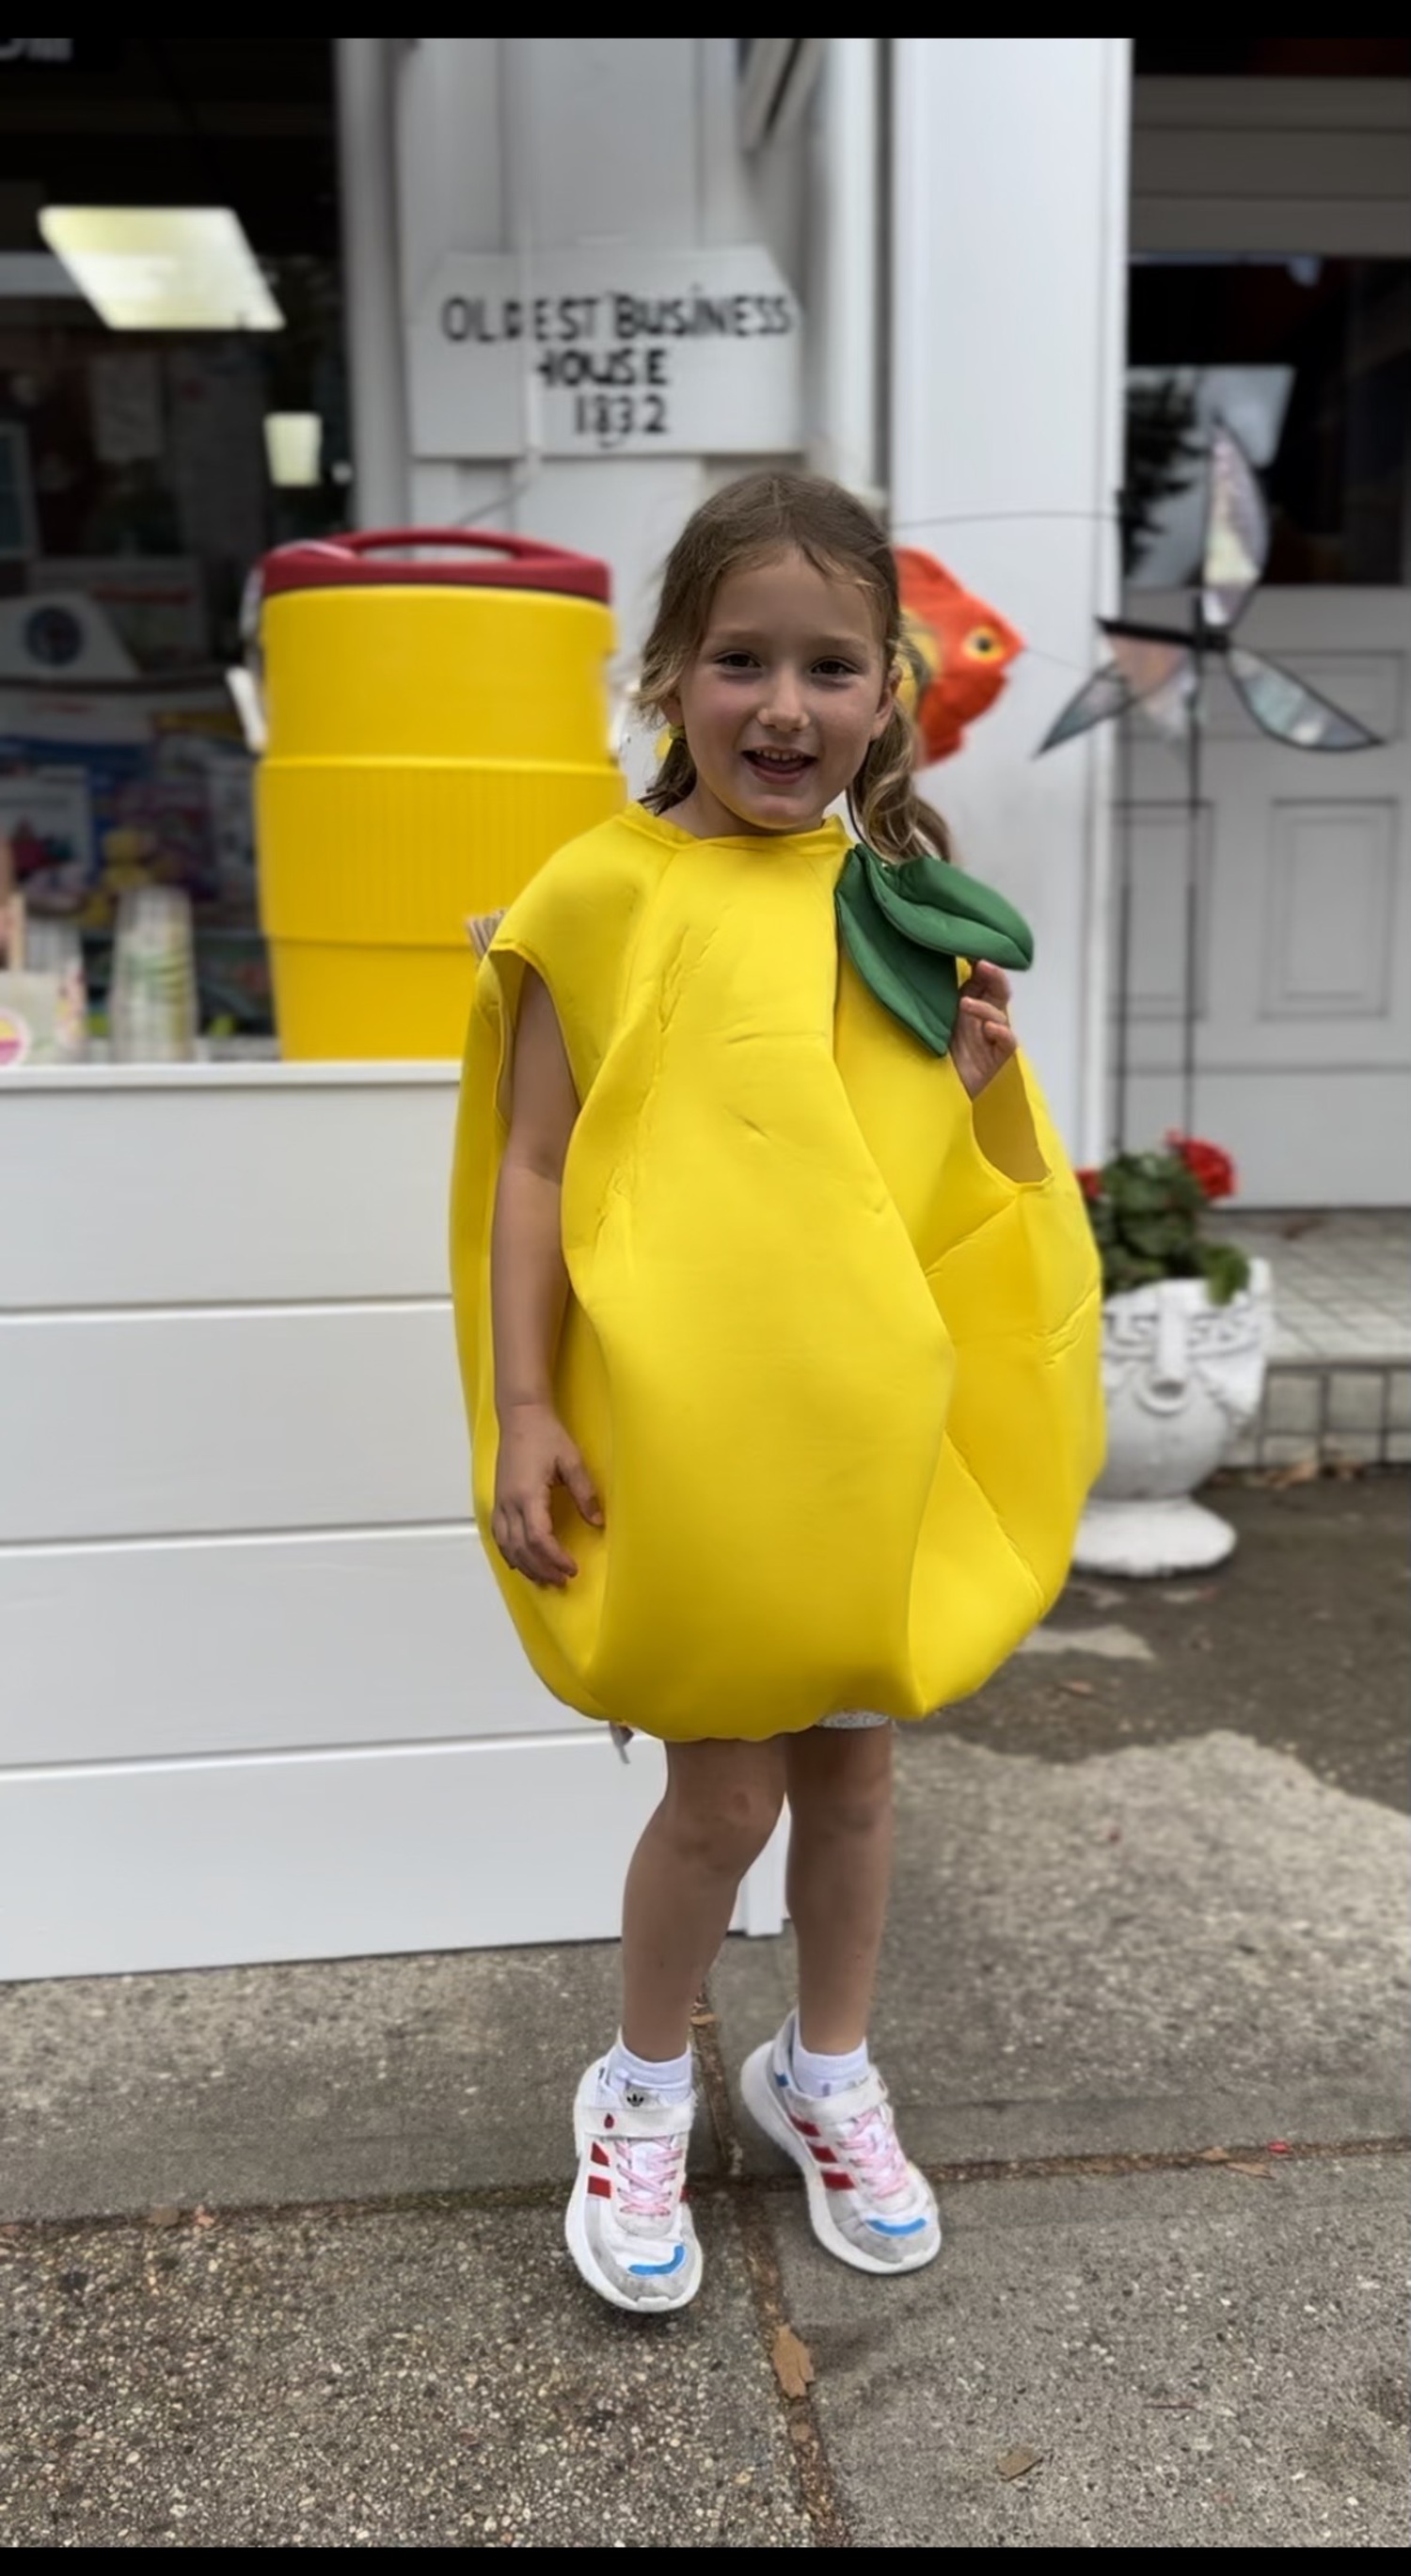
(366,541)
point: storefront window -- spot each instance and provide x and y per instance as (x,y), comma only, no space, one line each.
(1309,360)
(144,472)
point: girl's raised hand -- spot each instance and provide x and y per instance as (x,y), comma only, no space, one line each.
(982,1040)
(536,1454)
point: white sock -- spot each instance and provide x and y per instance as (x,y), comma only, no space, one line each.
(669,2079)
(819,2076)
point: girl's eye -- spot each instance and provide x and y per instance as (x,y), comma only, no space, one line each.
(734,661)
(833,670)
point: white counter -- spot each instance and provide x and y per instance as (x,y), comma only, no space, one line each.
(259,1698)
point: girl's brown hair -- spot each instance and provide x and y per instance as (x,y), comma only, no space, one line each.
(746,523)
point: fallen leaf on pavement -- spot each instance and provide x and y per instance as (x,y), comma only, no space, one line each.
(1079,1690)
(1256,2173)
(164,2217)
(793,2363)
(702,2020)
(1299,1471)
(202,2218)
(1345,1470)
(1017,2464)
(1279,2147)
(1215,2155)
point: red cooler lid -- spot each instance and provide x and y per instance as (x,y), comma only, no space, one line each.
(489,557)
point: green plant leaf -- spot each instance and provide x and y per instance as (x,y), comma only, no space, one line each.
(1140,1193)
(1225,1269)
(1160,1238)
(1147,1225)
(1123,1269)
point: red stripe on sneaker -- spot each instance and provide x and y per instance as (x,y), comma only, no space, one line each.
(805,2128)
(832,2181)
(599,2188)
(600,2155)
(824,2156)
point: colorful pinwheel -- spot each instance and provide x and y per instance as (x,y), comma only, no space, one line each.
(1161,671)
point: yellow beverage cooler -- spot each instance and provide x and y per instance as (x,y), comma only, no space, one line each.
(437,714)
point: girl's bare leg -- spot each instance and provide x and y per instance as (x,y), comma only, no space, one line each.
(721,1805)
(840,1865)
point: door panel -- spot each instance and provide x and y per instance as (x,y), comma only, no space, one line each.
(1303,947)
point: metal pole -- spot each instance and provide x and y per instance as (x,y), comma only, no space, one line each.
(367,178)
(1194,730)
(1122,1035)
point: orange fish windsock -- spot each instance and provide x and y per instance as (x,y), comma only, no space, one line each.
(965,649)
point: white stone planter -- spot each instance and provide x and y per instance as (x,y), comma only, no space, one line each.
(1182,1379)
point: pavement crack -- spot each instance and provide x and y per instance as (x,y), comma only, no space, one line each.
(1218,2156)
(817,2486)
(733,2184)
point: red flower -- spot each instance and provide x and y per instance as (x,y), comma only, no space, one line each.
(1089,1181)
(1209,1166)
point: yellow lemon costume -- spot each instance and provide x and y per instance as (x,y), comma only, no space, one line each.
(831,1352)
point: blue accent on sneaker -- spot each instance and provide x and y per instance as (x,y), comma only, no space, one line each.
(898,2226)
(781,2080)
(678,2258)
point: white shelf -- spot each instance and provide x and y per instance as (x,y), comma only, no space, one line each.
(256,1073)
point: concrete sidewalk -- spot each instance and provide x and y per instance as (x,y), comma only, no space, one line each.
(282,2262)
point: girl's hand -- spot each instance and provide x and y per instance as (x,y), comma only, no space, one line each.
(982,1040)
(536,1454)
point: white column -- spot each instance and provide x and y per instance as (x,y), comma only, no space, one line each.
(844,181)
(365,72)
(1008,328)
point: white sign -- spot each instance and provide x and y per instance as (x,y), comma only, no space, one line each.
(125,406)
(595,352)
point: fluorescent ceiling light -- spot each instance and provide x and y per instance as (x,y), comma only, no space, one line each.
(293,447)
(163,268)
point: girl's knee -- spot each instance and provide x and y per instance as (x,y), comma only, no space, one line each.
(720,1815)
(841,1784)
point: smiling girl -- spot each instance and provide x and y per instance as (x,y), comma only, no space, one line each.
(778,1315)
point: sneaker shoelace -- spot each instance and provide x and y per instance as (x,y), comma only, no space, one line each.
(869,2143)
(649,2177)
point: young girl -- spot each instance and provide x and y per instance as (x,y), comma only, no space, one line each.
(778,1314)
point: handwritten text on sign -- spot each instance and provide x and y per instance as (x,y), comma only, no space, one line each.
(638,353)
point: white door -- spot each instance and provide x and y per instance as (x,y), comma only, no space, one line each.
(1302,981)
(1303,922)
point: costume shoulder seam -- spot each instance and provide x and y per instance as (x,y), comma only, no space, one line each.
(606,855)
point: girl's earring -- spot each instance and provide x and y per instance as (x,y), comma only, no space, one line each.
(675,733)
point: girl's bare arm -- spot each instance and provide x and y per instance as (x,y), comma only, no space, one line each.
(528,1295)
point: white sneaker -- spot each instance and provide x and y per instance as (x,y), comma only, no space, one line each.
(628,2229)
(868,2205)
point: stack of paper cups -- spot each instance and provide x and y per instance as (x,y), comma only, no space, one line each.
(152,998)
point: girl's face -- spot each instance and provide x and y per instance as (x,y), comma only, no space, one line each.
(785,693)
